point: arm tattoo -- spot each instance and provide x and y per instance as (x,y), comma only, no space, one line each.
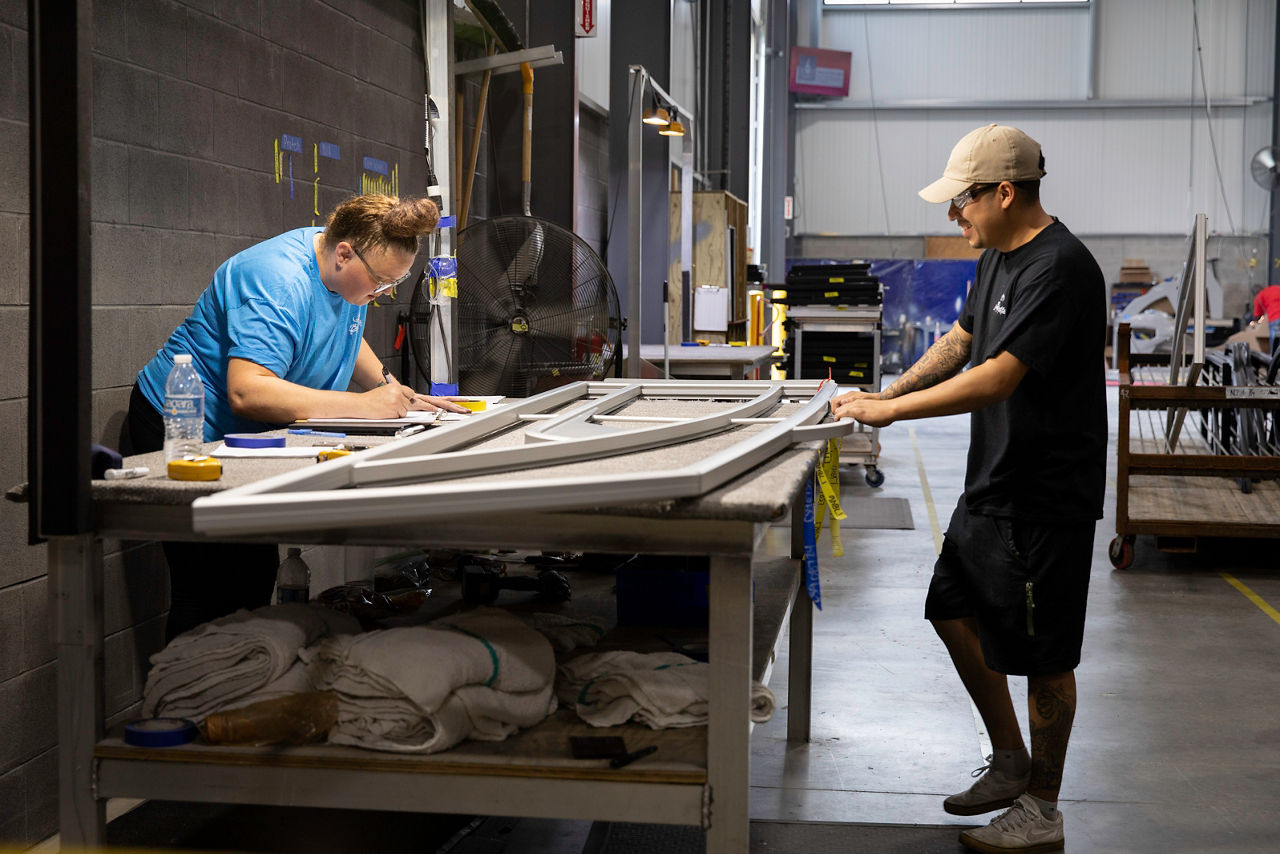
(942,361)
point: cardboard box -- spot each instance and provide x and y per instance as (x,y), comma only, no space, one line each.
(1136,271)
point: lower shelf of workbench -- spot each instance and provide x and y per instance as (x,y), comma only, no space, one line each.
(531,774)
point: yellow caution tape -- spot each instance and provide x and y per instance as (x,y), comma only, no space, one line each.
(830,294)
(836,280)
(195,468)
(830,493)
(831,359)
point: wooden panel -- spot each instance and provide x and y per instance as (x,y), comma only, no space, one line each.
(949,247)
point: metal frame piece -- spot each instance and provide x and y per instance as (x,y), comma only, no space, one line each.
(314,498)
(1192,289)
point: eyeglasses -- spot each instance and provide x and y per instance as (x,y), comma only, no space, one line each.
(969,195)
(382,287)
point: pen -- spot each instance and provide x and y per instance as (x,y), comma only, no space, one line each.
(627,759)
(307,431)
(386,375)
(410,430)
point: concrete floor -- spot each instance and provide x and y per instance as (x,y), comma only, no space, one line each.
(1176,744)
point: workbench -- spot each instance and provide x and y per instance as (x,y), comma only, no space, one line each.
(699,777)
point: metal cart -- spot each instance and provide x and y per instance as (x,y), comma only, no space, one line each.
(862,447)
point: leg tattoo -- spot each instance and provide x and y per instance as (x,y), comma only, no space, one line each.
(1052,707)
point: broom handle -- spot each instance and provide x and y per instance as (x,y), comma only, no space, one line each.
(475,146)
(526,162)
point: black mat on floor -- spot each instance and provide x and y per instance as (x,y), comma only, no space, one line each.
(877,513)
(783,837)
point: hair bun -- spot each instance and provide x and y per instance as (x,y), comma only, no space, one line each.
(410,218)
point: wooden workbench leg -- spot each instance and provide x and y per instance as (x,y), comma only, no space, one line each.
(800,641)
(75,591)
(729,722)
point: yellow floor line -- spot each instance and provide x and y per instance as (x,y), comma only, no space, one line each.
(928,496)
(1251,596)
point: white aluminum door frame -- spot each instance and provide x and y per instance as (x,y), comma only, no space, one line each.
(353,491)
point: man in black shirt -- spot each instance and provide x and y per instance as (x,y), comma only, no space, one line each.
(1009,588)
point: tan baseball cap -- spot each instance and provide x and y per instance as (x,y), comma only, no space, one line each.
(988,155)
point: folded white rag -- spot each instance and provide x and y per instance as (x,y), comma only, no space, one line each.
(214,664)
(660,690)
(480,674)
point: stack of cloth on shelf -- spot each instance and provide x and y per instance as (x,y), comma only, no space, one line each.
(660,690)
(238,659)
(480,674)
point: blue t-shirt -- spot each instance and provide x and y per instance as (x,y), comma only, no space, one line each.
(267,305)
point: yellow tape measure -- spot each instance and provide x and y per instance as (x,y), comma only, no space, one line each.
(195,468)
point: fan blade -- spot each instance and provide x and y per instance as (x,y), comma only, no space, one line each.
(524,265)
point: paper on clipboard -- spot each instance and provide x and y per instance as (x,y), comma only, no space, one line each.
(711,309)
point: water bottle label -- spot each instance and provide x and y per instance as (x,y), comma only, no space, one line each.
(180,407)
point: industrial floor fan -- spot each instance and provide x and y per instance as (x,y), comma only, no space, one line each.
(536,309)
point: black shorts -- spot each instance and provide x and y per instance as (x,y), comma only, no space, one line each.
(1024,583)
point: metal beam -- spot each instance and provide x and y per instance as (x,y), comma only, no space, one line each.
(1272,269)
(502,63)
(1241,102)
(60,36)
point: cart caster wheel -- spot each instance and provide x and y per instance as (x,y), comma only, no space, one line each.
(874,477)
(1121,552)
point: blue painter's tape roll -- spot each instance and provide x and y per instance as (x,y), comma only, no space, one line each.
(160,732)
(252,440)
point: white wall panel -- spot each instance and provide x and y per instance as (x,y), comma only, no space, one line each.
(963,55)
(1111,170)
(593,59)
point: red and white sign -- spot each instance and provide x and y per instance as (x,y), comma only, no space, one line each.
(584,19)
(786,207)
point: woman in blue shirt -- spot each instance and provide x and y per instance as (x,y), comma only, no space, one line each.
(278,336)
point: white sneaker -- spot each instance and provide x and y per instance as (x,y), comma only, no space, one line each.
(1023,828)
(994,790)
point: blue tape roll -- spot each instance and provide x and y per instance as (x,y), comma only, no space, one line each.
(253,440)
(159,732)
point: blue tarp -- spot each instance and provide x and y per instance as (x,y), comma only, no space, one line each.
(921,298)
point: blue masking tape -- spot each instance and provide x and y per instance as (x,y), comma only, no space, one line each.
(159,732)
(252,440)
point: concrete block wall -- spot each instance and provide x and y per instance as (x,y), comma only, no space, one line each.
(191,101)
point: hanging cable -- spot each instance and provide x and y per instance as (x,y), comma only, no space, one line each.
(1208,112)
(875,125)
(631,99)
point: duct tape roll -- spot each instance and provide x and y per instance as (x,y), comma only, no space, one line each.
(160,732)
(195,468)
(252,440)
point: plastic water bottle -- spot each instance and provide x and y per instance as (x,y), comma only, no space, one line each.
(183,410)
(293,579)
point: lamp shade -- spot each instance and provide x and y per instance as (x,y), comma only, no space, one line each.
(675,128)
(656,116)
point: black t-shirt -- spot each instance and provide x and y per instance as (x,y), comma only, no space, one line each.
(1040,454)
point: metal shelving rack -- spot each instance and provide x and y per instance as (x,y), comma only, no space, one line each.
(862,447)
